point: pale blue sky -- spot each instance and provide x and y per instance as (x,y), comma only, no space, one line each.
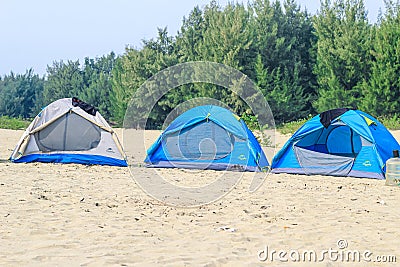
(34,33)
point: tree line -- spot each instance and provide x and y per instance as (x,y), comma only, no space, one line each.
(302,64)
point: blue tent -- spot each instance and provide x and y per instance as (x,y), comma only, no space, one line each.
(207,137)
(352,143)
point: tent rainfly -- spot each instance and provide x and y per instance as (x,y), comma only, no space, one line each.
(339,142)
(69,131)
(207,137)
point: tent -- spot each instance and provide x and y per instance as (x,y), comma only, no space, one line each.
(207,137)
(69,131)
(340,142)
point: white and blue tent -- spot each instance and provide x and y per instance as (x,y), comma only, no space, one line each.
(69,131)
(338,142)
(207,137)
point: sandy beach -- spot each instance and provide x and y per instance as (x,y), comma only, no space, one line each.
(75,215)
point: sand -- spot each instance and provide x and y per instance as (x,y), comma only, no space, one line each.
(74,215)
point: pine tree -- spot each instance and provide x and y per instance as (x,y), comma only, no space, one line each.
(19,93)
(63,80)
(343,59)
(97,81)
(382,90)
(284,62)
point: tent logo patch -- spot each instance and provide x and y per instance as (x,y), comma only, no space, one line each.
(242,157)
(367,163)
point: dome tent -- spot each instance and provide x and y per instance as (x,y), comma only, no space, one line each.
(207,137)
(338,142)
(69,131)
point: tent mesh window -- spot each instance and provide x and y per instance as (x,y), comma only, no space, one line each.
(339,140)
(70,132)
(203,141)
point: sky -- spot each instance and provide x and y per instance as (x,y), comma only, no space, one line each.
(35,33)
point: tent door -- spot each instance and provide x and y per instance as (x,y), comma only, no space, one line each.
(314,162)
(70,132)
(205,140)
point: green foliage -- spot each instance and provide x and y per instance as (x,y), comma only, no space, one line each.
(227,35)
(19,94)
(223,36)
(190,36)
(92,82)
(283,65)
(391,122)
(343,59)
(97,75)
(291,127)
(133,69)
(13,123)
(251,121)
(63,80)
(382,90)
